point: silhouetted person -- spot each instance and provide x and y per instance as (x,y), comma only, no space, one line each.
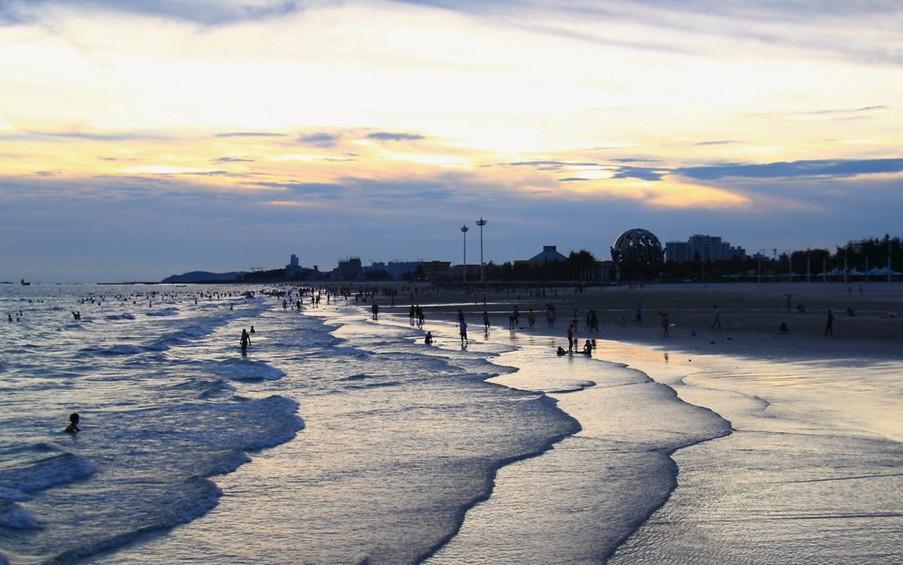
(253,331)
(587,348)
(428,339)
(716,321)
(486,323)
(463,332)
(245,340)
(375,310)
(783,329)
(570,338)
(9,317)
(829,324)
(666,325)
(638,314)
(561,351)
(72,428)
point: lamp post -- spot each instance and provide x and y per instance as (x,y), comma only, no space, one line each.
(481,222)
(464,230)
(846,253)
(808,270)
(789,265)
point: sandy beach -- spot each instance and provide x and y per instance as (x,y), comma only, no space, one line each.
(341,438)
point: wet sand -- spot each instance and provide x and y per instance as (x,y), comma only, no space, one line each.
(810,473)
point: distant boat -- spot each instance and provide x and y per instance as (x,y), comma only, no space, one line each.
(25,282)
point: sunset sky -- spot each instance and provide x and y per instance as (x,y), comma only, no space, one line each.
(143,138)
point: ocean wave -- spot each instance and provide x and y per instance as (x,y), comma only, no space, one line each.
(206,388)
(124,316)
(244,369)
(37,475)
(165,312)
(14,517)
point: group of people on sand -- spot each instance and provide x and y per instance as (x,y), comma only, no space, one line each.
(415,316)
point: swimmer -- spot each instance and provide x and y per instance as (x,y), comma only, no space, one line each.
(72,428)
(428,340)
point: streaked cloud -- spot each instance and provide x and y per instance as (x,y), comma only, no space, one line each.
(394,136)
(250,134)
(811,168)
(319,139)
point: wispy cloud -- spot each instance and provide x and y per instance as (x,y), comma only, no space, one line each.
(319,139)
(718,142)
(205,12)
(784,169)
(131,135)
(552,164)
(393,136)
(250,134)
(232,160)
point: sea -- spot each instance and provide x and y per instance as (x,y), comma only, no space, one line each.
(336,439)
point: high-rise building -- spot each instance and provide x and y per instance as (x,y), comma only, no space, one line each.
(293,267)
(705,248)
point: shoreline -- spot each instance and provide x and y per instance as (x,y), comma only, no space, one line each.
(509,380)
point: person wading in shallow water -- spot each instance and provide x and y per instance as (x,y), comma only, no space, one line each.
(245,340)
(829,324)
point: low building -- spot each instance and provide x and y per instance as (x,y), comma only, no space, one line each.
(456,273)
(548,253)
(434,270)
(349,269)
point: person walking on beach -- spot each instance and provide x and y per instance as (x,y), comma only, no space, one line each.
(829,324)
(420,317)
(485,322)
(462,329)
(411,313)
(245,340)
(375,310)
(716,322)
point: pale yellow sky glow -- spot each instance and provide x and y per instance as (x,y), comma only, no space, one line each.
(583,101)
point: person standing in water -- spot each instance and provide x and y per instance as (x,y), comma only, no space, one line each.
(375,310)
(245,341)
(829,324)
(463,330)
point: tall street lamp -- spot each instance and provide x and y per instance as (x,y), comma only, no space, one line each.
(464,230)
(481,222)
